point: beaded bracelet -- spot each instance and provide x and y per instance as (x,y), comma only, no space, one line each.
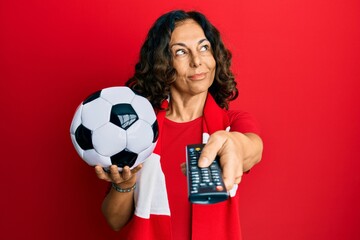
(123,190)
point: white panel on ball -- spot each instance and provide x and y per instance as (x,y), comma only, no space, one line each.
(76,119)
(96,113)
(109,139)
(92,158)
(139,136)
(117,95)
(145,154)
(143,109)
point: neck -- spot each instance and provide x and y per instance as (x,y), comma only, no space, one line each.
(186,108)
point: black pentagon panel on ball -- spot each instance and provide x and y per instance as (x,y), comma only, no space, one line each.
(155,128)
(83,137)
(124,158)
(92,97)
(123,115)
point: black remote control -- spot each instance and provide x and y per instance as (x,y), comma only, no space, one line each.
(205,185)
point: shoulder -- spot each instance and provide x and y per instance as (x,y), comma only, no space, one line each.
(242,121)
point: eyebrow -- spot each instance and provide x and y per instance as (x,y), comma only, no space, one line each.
(184,45)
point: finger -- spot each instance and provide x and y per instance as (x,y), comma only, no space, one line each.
(238,180)
(230,178)
(114,174)
(228,175)
(210,150)
(136,169)
(101,174)
(126,173)
(183,168)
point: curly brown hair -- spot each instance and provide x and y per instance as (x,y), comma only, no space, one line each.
(154,73)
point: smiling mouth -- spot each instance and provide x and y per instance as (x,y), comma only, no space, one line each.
(198,76)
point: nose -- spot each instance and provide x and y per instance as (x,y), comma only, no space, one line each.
(195,60)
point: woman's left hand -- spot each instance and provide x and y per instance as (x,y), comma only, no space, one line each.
(238,153)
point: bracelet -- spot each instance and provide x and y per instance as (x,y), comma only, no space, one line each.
(123,190)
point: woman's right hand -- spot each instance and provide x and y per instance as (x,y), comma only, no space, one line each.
(124,179)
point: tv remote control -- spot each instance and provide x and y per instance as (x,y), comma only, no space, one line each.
(205,185)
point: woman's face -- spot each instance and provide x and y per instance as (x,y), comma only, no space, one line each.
(192,59)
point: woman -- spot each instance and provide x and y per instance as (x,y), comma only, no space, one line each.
(184,70)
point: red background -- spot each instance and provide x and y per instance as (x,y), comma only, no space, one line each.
(297,65)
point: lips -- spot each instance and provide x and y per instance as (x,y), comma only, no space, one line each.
(198,76)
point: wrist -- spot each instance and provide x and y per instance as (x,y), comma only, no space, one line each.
(117,188)
(128,183)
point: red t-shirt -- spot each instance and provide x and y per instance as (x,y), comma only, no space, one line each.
(177,136)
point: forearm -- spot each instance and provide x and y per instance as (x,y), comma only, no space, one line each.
(118,207)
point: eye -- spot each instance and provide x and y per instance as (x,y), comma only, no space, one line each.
(180,52)
(204,48)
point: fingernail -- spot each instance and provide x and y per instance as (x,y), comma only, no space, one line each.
(203,162)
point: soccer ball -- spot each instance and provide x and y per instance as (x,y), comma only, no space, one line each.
(114,126)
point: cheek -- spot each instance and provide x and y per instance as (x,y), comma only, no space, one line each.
(213,63)
(210,62)
(213,68)
(180,68)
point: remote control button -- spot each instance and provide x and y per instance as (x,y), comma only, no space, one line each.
(219,188)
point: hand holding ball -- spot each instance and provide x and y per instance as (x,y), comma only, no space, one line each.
(114,126)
